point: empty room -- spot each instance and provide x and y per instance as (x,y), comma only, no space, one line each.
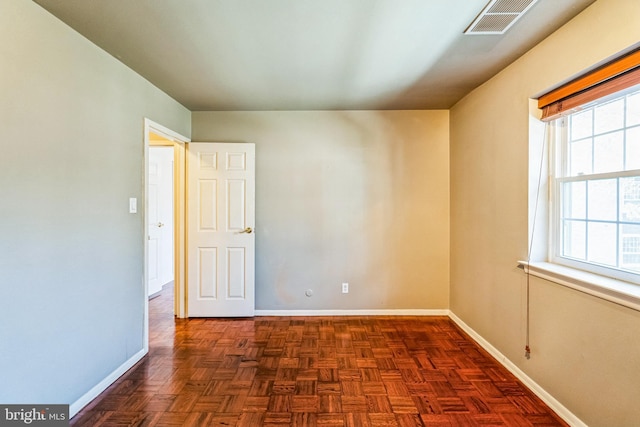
(320,213)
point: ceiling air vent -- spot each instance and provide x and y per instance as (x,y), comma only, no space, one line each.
(498,16)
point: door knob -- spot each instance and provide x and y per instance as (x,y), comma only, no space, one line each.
(247,230)
(160,225)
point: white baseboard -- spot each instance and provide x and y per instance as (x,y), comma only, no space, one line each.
(76,406)
(547,398)
(382,312)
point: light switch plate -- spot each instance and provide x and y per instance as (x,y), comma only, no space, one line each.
(133,205)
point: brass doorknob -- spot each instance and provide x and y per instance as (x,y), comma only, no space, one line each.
(247,230)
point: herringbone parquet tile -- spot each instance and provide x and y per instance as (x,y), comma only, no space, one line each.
(313,371)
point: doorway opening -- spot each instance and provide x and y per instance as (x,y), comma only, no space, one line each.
(160,201)
(164,220)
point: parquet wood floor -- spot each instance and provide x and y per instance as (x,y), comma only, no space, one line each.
(313,371)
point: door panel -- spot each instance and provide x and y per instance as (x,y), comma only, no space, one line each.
(207,273)
(236,205)
(220,221)
(208,204)
(236,282)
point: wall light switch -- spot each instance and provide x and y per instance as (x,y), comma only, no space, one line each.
(133,205)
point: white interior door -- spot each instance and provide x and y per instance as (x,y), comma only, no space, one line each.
(160,232)
(220,222)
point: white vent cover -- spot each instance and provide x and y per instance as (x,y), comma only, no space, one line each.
(498,16)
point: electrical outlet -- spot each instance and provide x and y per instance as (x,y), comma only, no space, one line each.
(345,288)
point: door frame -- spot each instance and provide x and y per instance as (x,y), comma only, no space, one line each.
(179,146)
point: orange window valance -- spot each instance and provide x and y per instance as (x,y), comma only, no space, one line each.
(617,75)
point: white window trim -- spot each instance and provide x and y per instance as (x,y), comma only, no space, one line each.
(554,153)
(616,291)
(613,290)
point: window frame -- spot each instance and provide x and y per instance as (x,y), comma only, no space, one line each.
(558,174)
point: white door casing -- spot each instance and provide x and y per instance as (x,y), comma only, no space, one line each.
(160,218)
(220,223)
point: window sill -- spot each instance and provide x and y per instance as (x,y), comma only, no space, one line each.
(616,291)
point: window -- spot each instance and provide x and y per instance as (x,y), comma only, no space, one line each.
(595,204)
(590,241)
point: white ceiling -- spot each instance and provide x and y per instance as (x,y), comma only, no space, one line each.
(213,55)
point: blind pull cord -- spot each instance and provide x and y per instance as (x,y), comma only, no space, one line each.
(527,347)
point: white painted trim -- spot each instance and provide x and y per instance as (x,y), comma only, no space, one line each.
(373,312)
(165,131)
(76,406)
(616,291)
(547,398)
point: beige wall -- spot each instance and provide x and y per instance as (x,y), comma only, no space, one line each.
(359,197)
(585,351)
